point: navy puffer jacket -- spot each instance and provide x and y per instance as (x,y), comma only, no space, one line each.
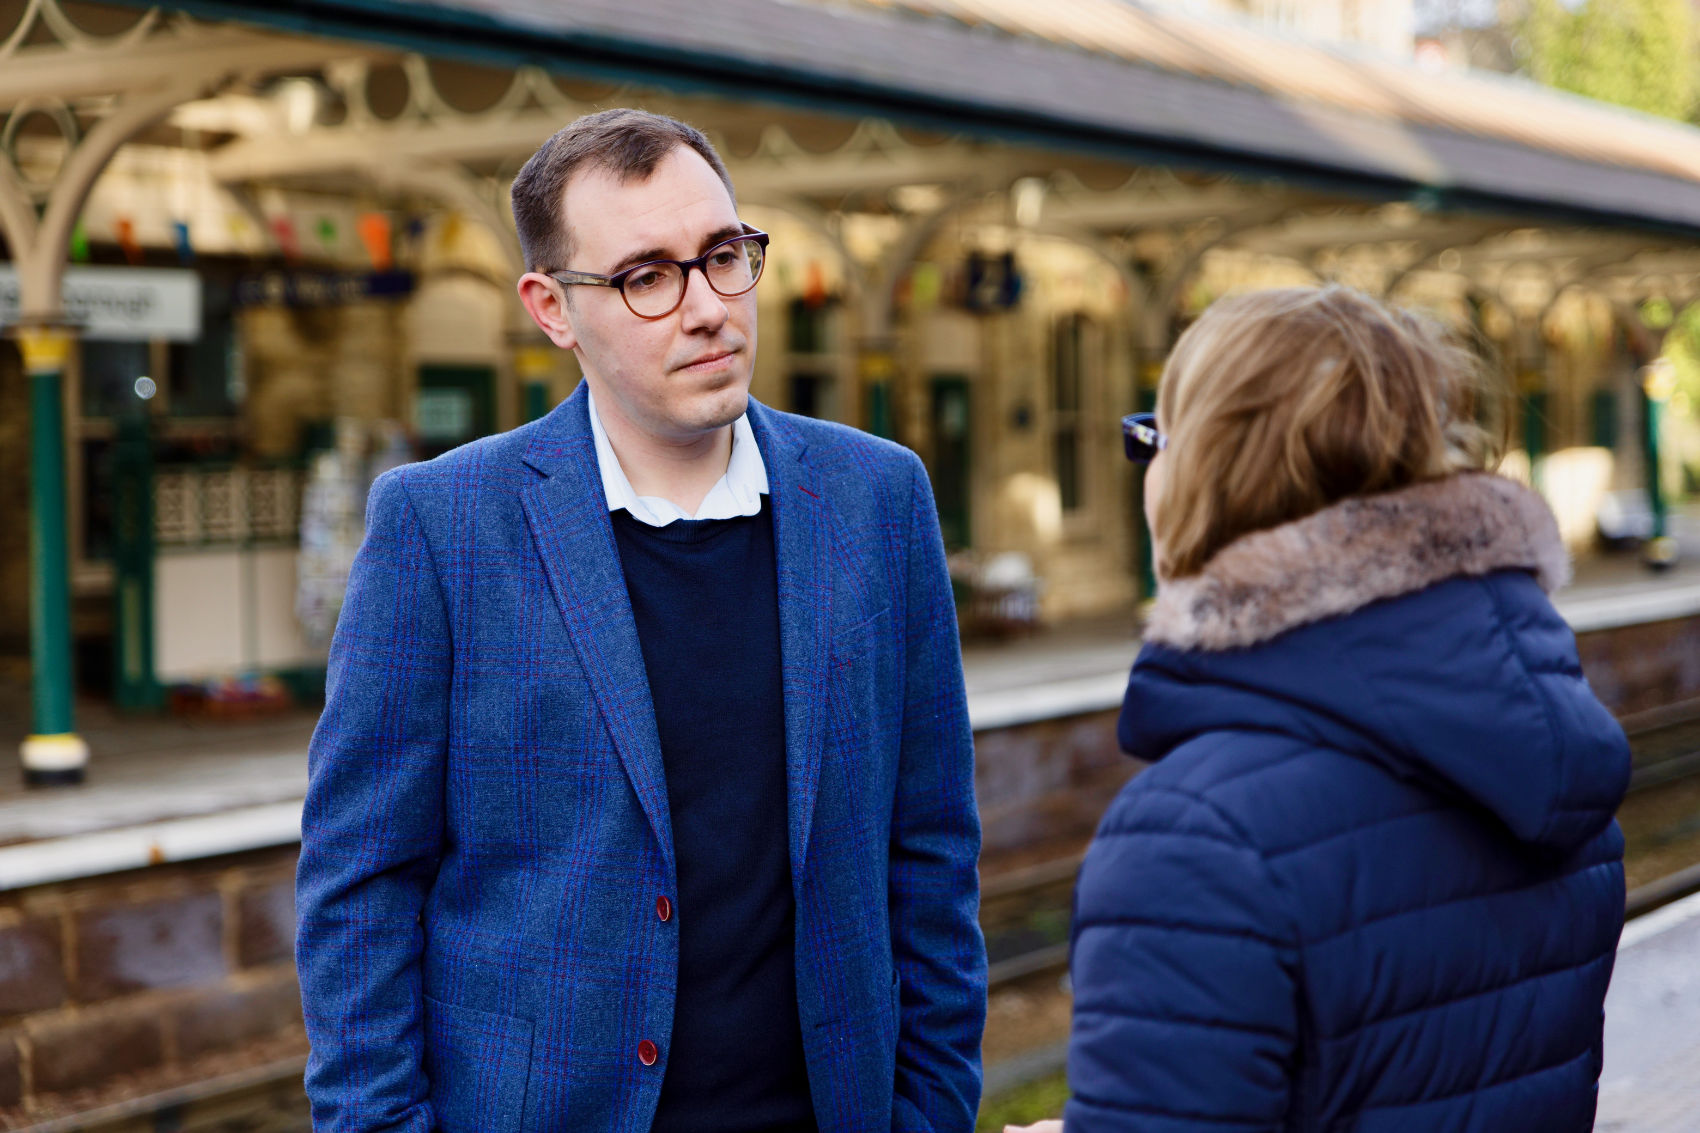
(1372,881)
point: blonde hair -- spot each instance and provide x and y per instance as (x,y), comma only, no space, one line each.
(1279,403)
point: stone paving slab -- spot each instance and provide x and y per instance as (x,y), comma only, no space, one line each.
(145,769)
(1651,1079)
(128,788)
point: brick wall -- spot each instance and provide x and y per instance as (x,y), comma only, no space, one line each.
(135,981)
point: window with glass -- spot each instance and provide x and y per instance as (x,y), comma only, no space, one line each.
(198,381)
(110,371)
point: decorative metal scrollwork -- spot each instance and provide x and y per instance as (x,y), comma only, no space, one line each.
(64,120)
(50,15)
(44,27)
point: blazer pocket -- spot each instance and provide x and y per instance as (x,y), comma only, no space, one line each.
(479,1064)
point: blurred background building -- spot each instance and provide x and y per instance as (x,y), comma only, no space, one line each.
(251,254)
(1383,26)
(279,239)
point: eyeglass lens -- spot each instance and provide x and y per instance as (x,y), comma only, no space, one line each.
(657,289)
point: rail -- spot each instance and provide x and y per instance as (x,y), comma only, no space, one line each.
(172,1108)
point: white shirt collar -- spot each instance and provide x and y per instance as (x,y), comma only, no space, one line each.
(738,493)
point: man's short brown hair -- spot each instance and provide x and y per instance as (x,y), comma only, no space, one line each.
(627,143)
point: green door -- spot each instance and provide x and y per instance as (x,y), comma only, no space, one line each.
(455,404)
(951,433)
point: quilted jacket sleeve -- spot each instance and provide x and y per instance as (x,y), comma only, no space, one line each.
(1183,967)
(372,829)
(934,888)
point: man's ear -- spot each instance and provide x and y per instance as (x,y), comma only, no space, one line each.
(546,303)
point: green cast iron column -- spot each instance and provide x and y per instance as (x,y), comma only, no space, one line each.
(135,688)
(54,754)
(878,368)
(535,403)
(1657,386)
(535,365)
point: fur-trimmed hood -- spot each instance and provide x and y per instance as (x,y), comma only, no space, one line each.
(1411,629)
(1361,550)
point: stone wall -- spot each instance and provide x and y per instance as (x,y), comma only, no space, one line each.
(1636,668)
(123,985)
(1042,787)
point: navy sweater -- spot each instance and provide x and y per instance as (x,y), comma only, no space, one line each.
(706,600)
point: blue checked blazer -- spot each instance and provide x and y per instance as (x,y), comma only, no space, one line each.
(486,827)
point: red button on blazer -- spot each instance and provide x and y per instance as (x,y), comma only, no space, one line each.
(647,1054)
(664,908)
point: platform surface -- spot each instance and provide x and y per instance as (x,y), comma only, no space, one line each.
(1651,1080)
(156,769)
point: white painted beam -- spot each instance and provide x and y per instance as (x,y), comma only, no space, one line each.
(339,149)
(1133,209)
(42,265)
(211,53)
(479,139)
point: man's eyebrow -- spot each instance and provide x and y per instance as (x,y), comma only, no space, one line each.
(724,232)
(637,258)
(719,235)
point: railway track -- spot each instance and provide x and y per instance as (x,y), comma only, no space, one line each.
(261,1099)
(1027,903)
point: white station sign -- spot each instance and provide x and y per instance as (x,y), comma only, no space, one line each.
(121,304)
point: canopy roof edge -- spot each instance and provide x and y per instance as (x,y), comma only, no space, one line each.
(1183,120)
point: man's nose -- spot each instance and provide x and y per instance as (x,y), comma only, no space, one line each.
(703,308)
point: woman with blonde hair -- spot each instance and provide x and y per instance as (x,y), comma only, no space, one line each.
(1372,880)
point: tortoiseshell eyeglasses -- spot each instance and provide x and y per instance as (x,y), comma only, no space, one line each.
(655,289)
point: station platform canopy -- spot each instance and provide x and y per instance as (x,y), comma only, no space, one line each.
(1102,77)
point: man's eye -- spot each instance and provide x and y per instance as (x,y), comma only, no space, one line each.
(643,280)
(724,258)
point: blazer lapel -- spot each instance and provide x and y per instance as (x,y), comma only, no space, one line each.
(568,516)
(801,545)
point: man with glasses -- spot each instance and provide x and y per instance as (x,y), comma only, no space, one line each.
(643,796)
